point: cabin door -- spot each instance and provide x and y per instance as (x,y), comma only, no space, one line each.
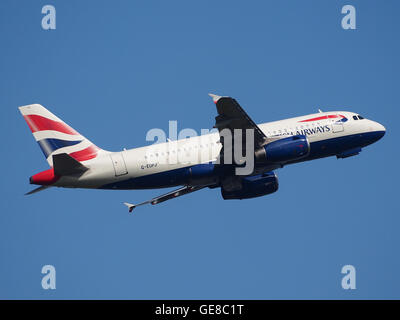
(337,124)
(119,164)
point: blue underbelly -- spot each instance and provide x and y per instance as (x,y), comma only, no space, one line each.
(181,176)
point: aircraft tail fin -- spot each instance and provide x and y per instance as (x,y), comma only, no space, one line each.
(54,136)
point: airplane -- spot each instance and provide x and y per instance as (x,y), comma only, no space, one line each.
(75,162)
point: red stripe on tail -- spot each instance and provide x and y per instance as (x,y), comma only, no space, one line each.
(38,123)
(85,154)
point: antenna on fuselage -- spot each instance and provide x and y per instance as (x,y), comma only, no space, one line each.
(320,111)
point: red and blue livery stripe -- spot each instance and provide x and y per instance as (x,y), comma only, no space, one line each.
(48,146)
(52,142)
(340,117)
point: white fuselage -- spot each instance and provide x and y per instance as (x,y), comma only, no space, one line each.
(110,168)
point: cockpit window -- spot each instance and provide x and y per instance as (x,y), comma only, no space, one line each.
(355,118)
(360,117)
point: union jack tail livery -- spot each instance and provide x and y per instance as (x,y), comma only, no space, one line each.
(54,136)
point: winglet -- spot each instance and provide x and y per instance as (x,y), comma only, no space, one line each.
(214,97)
(130,206)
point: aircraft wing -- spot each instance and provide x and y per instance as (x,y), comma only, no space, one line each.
(232,116)
(170,195)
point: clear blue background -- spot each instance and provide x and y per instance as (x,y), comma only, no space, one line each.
(115,69)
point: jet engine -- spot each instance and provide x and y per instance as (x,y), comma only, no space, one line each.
(284,150)
(253,186)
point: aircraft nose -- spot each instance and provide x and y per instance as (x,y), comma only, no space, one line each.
(379,130)
(380,127)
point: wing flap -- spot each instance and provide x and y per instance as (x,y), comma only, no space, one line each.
(170,195)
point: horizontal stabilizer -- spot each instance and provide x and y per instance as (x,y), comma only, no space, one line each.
(65,165)
(41,188)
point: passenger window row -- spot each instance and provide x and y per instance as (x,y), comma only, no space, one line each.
(182,149)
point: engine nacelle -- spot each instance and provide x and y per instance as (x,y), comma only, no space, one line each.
(201,174)
(284,150)
(254,186)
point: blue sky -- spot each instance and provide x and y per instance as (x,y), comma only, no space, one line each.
(115,69)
